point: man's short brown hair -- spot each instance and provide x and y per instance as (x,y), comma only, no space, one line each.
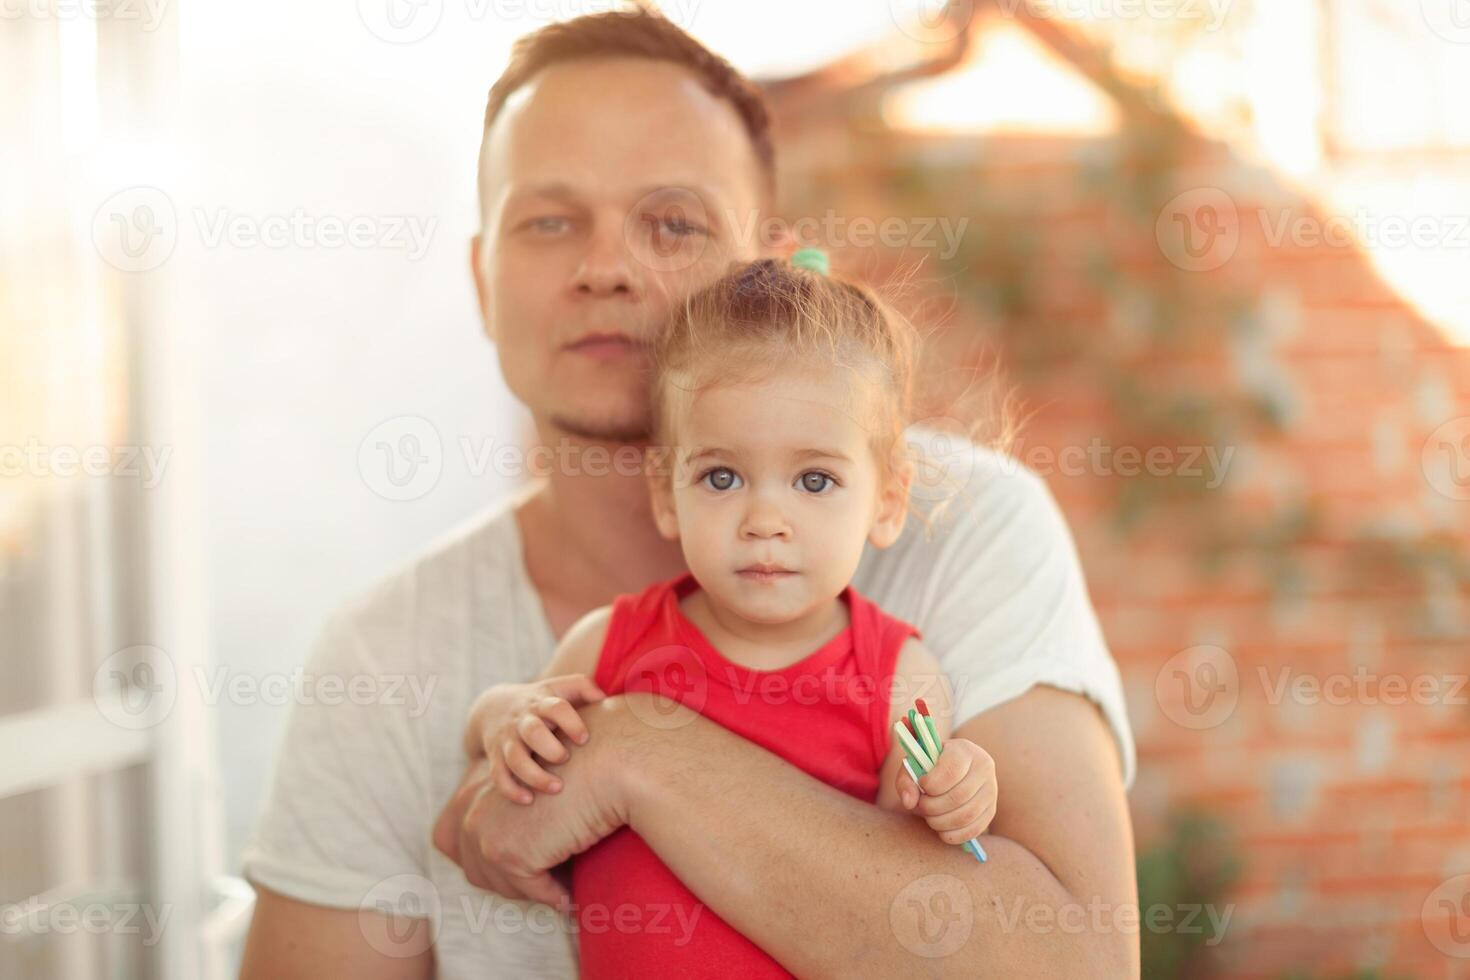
(638,32)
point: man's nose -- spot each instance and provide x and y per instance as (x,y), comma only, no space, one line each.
(608,267)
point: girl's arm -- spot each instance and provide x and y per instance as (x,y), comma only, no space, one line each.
(915,675)
(509,722)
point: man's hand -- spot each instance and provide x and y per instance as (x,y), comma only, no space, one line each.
(514,724)
(509,849)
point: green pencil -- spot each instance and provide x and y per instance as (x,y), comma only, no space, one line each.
(923,764)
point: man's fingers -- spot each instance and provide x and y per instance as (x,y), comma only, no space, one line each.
(483,874)
(525,768)
(451,819)
(544,888)
(559,713)
(446,832)
(464,833)
(576,688)
(476,774)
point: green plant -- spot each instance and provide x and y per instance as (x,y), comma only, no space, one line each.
(1192,866)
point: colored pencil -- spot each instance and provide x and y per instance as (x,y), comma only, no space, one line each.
(922,761)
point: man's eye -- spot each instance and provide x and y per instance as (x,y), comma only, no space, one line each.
(674,222)
(815,481)
(721,478)
(548,225)
(676,225)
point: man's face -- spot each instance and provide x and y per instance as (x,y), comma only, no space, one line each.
(613,189)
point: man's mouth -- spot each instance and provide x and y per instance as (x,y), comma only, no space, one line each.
(605,345)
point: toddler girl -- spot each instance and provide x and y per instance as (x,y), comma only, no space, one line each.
(780,400)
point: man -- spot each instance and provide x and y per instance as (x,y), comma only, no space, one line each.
(620,164)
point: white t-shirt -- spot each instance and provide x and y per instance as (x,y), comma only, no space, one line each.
(997,593)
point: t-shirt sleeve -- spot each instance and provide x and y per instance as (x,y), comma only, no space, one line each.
(1010,607)
(348,806)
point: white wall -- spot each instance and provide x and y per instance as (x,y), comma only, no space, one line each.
(309,348)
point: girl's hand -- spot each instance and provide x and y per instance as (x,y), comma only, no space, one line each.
(512,726)
(959,793)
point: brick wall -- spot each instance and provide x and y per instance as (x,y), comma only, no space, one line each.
(1348,807)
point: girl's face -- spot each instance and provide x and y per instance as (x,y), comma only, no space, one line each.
(774,490)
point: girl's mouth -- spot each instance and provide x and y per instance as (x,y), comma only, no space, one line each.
(757,574)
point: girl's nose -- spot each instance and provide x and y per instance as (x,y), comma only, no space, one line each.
(764,521)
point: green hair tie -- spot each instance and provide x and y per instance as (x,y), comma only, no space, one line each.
(811,259)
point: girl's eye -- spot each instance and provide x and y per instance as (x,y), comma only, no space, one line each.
(721,478)
(815,481)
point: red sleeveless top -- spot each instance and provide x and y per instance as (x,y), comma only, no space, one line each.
(827,714)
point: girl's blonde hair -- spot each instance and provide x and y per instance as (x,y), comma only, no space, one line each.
(766,315)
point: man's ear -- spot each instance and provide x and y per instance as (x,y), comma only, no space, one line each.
(893,504)
(658,469)
(481,290)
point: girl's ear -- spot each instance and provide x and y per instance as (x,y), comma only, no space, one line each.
(658,468)
(893,504)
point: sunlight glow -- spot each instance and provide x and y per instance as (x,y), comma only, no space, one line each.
(1010,83)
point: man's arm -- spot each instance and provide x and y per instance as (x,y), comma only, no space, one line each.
(291,940)
(346,815)
(830,886)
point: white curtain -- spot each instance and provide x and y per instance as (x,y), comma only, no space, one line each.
(105,816)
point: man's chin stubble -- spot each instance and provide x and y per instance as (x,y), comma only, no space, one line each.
(631,431)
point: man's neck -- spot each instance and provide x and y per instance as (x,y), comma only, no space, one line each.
(588,531)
